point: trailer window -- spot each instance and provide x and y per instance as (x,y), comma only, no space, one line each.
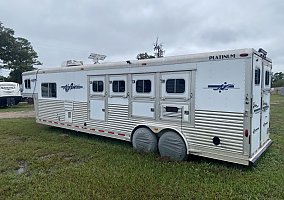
(267,78)
(175,86)
(118,86)
(27,84)
(143,86)
(48,90)
(98,86)
(257,76)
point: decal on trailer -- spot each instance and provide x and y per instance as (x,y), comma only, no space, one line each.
(222,57)
(71,86)
(221,87)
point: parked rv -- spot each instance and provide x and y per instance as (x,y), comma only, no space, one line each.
(10,94)
(212,104)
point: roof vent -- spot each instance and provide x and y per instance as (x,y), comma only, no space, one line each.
(71,63)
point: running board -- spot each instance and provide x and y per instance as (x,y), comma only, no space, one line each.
(260,151)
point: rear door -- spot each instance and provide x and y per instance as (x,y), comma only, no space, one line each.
(265,115)
(256,104)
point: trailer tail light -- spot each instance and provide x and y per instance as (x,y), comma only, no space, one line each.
(246,133)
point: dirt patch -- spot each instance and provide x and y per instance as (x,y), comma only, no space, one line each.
(21,114)
(23,167)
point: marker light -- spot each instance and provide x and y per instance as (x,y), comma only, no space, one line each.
(243,54)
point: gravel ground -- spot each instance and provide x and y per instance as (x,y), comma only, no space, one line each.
(20,114)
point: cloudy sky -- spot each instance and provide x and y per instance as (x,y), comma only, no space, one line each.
(71,29)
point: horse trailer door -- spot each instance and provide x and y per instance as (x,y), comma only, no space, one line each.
(266,82)
(175,96)
(97,109)
(97,98)
(143,95)
(175,85)
(68,108)
(256,104)
(118,90)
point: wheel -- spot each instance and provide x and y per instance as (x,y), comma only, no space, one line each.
(144,140)
(172,145)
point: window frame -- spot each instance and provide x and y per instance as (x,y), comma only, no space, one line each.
(175,86)
(267,78)
(98,91)
(27,83)
(143,86)
(118,86)
(257,78)
(49,91)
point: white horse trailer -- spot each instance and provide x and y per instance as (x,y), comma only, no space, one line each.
(10,94)
(215,104)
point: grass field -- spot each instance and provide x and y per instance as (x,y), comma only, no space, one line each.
(40,162)
(22,106)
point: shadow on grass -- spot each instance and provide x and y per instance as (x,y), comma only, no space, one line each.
(65,133)
(71,133)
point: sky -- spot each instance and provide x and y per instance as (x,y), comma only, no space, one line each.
(61,30)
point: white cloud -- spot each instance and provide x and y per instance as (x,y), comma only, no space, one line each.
(60,30)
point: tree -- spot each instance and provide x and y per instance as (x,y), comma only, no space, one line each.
(16,54)
(145,55)
(278,79)
(158,52)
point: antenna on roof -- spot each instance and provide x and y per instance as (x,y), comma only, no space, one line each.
(96,57)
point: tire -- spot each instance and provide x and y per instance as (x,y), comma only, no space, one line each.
(144,140)
(172,146)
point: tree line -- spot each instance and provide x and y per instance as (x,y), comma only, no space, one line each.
(16,54)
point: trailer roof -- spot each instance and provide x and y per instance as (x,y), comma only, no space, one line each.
(188,58)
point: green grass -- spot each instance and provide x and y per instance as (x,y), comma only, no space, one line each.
(62,164)
(22,106)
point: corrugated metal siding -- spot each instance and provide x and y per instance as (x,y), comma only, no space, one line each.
(80,112)
(51,109)
(227,126)
(118,118)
